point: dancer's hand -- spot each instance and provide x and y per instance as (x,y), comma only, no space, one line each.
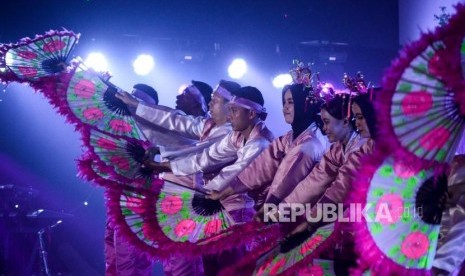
(128,99)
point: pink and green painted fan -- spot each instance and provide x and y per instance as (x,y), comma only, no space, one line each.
(44,55)
(127,209)
(92,100)
(423,101)
(187,216)
(276,262)
(269,258)
(180,220)
(403,204)
(97,172)
(319,267)
(118,158)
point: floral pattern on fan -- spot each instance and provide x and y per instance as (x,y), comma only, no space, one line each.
(424,115)
(132,210)
(275,262)
(422,105)
(186,216)
(93,102)
(319,267)
(121,158)
(397,217)
(42,56)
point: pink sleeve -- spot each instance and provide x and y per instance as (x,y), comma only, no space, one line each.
(297,164)
(261,171)
(341,185)
(315,184)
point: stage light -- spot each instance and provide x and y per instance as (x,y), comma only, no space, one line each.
(86,203)
(281,80)
(97,61)
(237,69)
(143,65)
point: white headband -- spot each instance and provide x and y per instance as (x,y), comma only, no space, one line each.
(223,92)
(247,104)
(196,93)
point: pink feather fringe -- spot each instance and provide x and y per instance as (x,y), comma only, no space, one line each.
(248,263)
(370,257)
(9,76)
(240,234)
(452,36)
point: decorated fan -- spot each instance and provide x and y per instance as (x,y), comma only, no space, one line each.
(127,208)
(403,204)
(180,220)
(423,102)
(118,159)
(92,170)
(44,55)
(92,101)
(184,215)
(271,259)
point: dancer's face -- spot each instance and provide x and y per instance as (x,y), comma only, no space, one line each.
(336,130)
(218,109)
(360,121)
(288,107)
(241,118)
(187,102)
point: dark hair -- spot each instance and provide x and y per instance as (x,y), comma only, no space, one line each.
(339,108)
(205,89)
(147,89)
(305,111)
(250,93)
(365,103)
(231,86)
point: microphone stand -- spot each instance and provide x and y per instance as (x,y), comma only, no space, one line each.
(43,250)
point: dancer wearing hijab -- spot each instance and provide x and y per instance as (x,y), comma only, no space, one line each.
(332,182)
(289,158)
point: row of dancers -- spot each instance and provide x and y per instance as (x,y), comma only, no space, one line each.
(210,169)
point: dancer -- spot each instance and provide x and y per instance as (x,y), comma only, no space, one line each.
(279,168)
(450,256)
(249,138)
(331,183)
(203,128)
(122,258)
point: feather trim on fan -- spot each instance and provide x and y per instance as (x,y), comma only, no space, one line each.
(267,259)
(119,157)
(371,256)
(213,238)
(129,220)
(44,55)
(92,102)
(438,63)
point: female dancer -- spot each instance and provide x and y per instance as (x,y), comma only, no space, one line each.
(278,169)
